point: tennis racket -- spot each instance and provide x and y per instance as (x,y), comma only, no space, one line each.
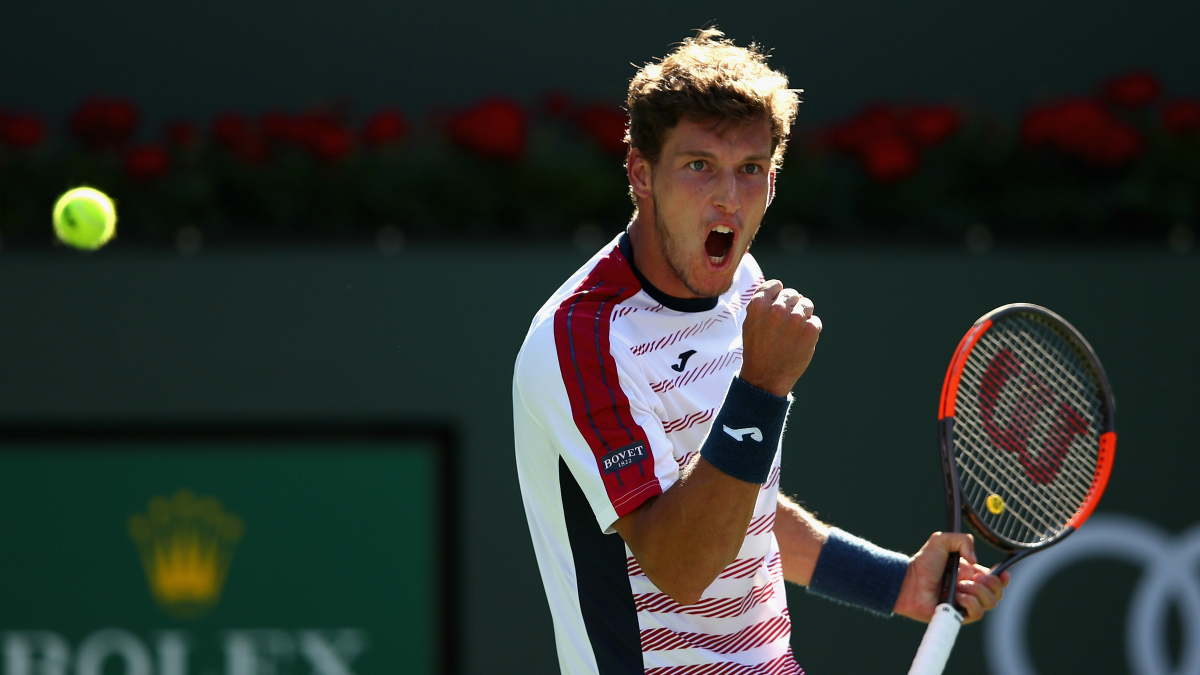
(1027,435)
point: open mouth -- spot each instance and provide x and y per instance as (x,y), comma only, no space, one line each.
(718,243)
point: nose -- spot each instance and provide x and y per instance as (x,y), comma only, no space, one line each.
(727,196)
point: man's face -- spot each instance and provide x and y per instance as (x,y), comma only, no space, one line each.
(709,190)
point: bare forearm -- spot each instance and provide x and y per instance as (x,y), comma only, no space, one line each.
(684,538)
(800,536)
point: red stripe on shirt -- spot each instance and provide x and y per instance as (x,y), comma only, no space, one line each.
(738,569)
(783,665)
(683,333)
(750,637)
(732,356)
(687,422)
(633,568)
(716,608)
(772,480)
(761,524)
(741,568)
(599,406)
(775,569)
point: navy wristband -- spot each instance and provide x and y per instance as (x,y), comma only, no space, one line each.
(745,436)
(857,572)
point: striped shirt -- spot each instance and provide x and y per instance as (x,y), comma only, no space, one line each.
(615,389)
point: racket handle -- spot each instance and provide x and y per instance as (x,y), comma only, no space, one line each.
(938,641)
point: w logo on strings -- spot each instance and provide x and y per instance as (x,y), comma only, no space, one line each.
(1034,408)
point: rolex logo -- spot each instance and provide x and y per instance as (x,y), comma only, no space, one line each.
(186,544)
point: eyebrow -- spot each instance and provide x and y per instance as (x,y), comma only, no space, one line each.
(708,155)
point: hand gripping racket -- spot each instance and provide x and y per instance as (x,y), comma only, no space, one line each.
(1027,439)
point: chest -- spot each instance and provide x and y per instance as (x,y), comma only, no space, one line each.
(687,363)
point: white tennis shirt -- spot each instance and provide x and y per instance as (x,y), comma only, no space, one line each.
(615,389)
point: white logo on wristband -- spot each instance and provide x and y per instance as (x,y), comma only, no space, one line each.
(740,434)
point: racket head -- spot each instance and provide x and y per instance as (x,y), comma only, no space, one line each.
(1031,425)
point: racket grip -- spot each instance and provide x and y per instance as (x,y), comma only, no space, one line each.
(938,641)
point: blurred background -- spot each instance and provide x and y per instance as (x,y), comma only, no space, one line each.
(337,219)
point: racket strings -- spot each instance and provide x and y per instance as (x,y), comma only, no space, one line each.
(1031,509)
(1028,421)
(1026,515)
(1000,432)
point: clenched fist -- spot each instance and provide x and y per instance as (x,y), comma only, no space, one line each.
(778,338)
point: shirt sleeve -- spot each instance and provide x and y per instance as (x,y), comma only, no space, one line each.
(588,394)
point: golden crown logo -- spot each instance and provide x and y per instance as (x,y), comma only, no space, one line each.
(186,544)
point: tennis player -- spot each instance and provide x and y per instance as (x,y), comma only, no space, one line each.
(649,403)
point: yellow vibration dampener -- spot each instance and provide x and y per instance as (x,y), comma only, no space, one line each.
(995,504)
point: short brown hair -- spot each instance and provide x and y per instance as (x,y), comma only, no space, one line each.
(709,78)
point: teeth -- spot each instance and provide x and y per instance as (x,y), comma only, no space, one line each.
(723,229)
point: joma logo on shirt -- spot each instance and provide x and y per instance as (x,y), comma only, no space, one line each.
(622,457)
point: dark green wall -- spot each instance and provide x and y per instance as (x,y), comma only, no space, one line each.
(430,335)
(194,58)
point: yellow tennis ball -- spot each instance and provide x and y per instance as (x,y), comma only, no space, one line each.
(995,504)
(85,218)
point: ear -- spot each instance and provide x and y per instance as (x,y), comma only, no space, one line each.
(770,187)
(638,168)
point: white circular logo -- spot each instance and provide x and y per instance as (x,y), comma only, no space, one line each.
(1169,576)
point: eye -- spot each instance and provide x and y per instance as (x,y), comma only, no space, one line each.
(697,165)
(753,168)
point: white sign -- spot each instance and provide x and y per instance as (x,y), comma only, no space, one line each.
(1170,566)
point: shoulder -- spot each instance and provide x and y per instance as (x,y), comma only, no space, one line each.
(749,273)
(606,270)
(578,315)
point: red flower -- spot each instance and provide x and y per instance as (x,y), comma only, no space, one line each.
(104,123)
(1085,129)
(305,130)
(494,128)
(330,142)
(252,150)
(851,137)
(230,129)
(605,125)
(930,126)
(22,131)
(233,131)
(889,157)
(1181,117)
(1117,145)
(1133,90)
(385,126)
(317,132)
(1038,127)
(883,139)
(278,127)
(147,162)
(183,133)
(1079,124)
